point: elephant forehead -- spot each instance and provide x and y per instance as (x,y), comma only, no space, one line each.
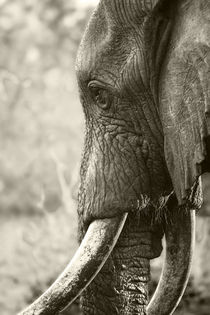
(128,12)
(110,36)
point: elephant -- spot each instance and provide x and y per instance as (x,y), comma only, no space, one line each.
(143,75)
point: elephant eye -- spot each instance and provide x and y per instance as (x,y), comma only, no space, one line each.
(100,95)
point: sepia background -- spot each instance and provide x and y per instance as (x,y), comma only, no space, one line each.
(41,135)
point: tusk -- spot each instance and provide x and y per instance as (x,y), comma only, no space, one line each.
(180,240)
(93,252)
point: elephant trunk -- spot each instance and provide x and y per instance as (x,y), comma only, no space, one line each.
(123,282)
(121,287)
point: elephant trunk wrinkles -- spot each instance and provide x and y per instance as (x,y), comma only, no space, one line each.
(122,285)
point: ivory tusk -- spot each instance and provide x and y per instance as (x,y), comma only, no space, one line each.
(93,252)
(180,240)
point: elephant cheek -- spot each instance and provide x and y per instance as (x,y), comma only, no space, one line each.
(110,190)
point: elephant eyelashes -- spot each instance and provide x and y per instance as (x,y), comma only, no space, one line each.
(100,95)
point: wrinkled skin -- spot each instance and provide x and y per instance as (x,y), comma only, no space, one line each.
(133,74)
(123,165)
(143,71)
(121,287)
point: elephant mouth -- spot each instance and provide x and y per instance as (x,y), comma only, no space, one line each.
(97,245)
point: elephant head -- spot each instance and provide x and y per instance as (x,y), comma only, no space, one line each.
(143,75)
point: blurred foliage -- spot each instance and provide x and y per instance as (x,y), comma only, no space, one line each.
(40,111)
(41,131)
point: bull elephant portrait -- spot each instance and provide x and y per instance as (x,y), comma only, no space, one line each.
(143,71)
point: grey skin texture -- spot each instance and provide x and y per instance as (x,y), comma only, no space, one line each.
(143,75)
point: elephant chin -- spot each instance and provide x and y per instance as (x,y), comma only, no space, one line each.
(93,252)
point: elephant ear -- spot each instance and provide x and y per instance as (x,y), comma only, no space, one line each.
(185,97)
